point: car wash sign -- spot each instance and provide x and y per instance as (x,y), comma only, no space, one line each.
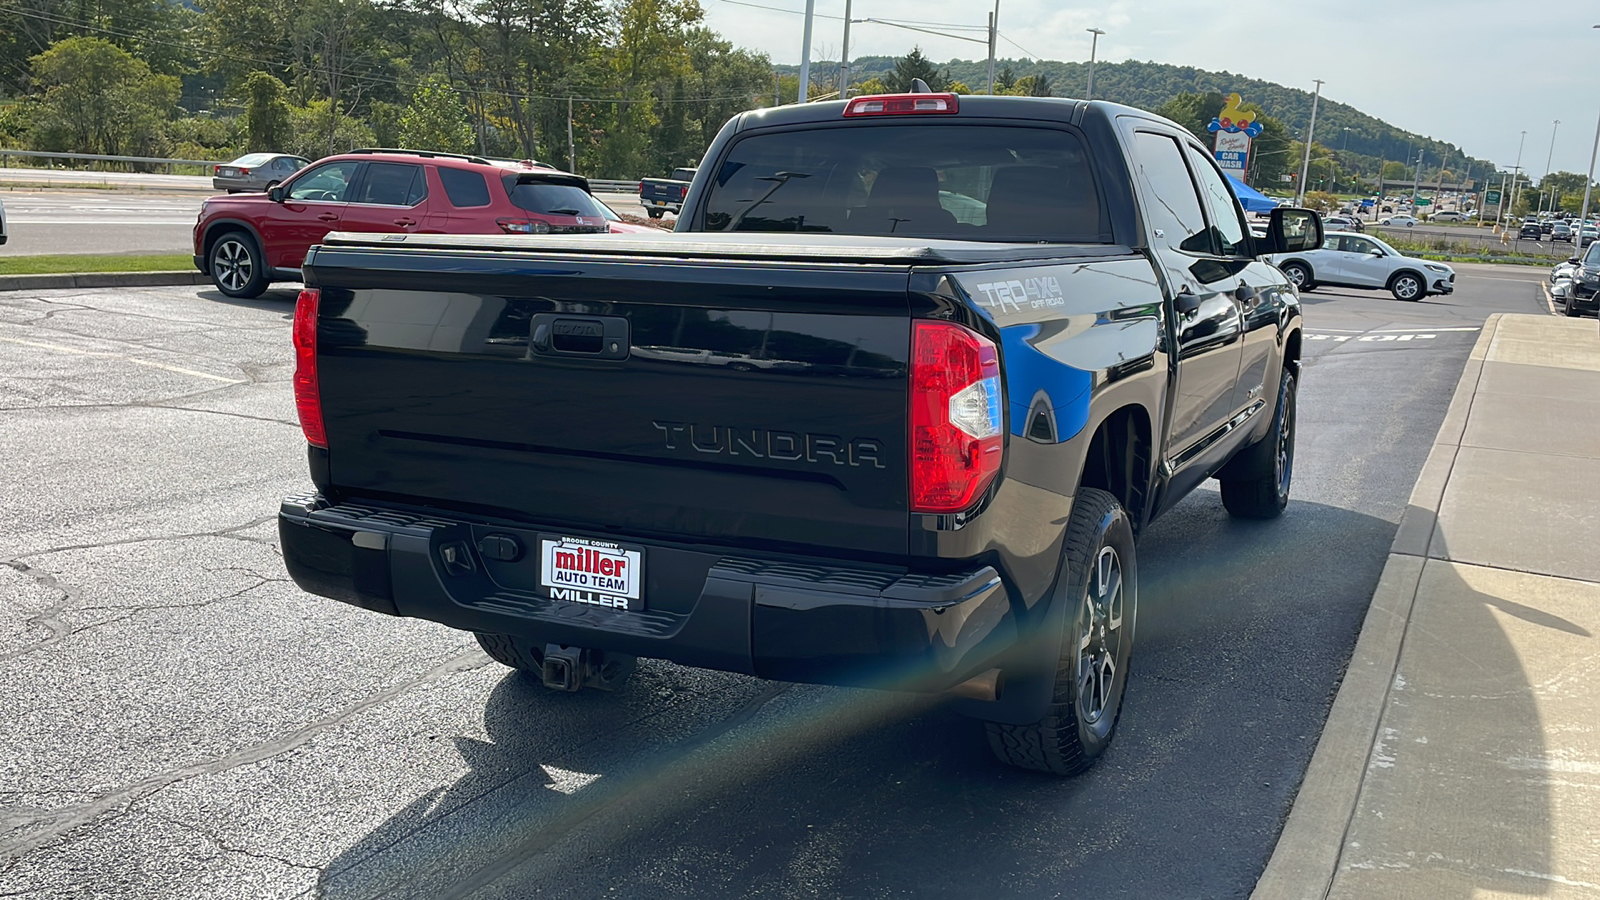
(1235,128)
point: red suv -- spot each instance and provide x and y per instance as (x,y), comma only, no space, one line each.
(247,241)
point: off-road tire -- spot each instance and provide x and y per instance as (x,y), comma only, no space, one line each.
(1065,741)
(1256,482)
(1408,286)
(518,653)
(237,266)
(1304,282)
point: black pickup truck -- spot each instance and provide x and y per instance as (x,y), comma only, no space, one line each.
(890,409)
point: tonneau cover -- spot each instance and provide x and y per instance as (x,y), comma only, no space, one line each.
(740,245)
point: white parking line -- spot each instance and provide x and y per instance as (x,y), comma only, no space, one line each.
(1372,338)
(125,358)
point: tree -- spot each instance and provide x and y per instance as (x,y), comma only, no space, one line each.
(1395,171)
(1194,111)
(1005,80)
(96,98)
(266,113)
(913,66)
(436,119)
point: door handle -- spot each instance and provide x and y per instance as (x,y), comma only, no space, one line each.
(1187,301)
(329,217)
(405,222)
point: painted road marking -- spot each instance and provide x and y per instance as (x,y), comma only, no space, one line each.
(125,358)
(1370,338)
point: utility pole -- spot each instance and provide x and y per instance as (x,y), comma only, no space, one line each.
(805,51)
(991,54)
(572,148)
(1305,167)
(1516,170)
(777,84)
(844,58)
(1588,183)
(1094,44)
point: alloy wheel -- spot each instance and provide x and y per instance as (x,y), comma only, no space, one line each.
(1100,637)
(232,264)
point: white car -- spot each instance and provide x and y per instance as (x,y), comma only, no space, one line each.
(1361,261)
(1407,221)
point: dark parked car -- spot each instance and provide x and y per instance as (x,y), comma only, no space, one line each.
(826,431)
(256,172)
(1561,231)
(1581,294)
(1530,231)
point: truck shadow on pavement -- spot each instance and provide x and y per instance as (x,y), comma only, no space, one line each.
(692,784)
(273,300)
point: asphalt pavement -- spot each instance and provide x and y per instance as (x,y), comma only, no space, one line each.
(183,722)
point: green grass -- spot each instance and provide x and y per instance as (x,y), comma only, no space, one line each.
(51,265)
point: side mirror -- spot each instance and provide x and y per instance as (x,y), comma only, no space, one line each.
(1292,230)
(275,193)
(1574,260)
(1375,251)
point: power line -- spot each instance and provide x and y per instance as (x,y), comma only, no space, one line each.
(1031,54)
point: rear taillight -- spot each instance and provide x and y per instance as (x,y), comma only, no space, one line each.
(523,226)
(902,105)
(956,437)
(682,193)
(244,171)
(307,391)
(641,189)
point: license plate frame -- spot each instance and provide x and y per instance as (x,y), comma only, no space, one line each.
(592,572)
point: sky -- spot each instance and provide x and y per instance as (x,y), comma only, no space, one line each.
(1475,73)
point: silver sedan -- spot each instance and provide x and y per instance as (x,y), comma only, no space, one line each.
(256,171)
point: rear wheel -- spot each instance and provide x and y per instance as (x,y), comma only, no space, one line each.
(653,213)
(1406,286)
(236,266)
(1260,476)
(1099,582)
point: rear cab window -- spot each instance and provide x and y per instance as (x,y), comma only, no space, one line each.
(949,181)
(465,188)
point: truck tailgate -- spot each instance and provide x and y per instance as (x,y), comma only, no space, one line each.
(725,400)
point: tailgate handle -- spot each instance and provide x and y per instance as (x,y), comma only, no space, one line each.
(595,337)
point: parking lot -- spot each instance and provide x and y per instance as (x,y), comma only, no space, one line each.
(185,722)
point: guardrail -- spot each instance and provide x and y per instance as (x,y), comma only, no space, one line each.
(6,154)
(605,186)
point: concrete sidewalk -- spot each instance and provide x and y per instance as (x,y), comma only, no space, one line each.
(1461,758)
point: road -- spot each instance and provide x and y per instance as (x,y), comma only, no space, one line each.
(122,181)
(123,222)
(183,722)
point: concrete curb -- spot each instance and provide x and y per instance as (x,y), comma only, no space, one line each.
(1306,858)
(99,280)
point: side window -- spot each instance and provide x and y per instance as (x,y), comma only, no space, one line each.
(464,187)
(326,182)
(1224,207)
(392,184)
(1174,205)
(1359,245)
(1332,242)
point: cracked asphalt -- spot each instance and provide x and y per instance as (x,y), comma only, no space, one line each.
(180,721)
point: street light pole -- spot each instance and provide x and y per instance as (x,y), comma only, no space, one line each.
(1548,157)
(1516,178)
(1311,130)
(805,52)
(1588,182)
(1094,44)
